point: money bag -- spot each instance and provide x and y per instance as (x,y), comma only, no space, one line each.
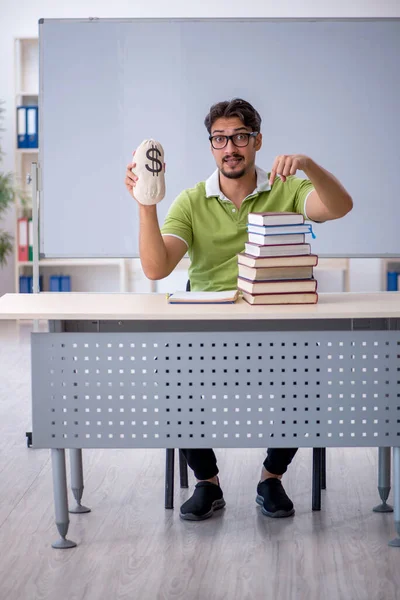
(150,170)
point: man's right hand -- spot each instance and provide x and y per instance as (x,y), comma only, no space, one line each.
(130,178)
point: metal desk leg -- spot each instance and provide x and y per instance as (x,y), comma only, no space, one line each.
(75,457)
(384,480)
(60,498)
(323,468)
(316,480)
(396,490)
(169,477)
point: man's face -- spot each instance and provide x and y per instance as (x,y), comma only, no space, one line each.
(233,161)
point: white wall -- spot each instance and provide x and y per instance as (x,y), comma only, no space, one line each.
(20,19)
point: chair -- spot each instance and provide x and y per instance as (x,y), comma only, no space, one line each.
(318,471)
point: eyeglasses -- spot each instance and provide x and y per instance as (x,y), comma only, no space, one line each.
(238,139)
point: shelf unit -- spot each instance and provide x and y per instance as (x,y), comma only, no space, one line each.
(26,61)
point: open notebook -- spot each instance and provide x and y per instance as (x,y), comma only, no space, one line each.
(203,297)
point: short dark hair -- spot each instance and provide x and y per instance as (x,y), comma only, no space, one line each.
(234,108)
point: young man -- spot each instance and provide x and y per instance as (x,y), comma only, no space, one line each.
(209,222)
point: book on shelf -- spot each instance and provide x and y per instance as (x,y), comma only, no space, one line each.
(277,287)
(227,297)
(273,240)
(279,229)
(307,260)
(287,298)
(23,247)
(277,249)
(274,273)
(275,218)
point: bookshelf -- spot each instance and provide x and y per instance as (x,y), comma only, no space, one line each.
(26,62)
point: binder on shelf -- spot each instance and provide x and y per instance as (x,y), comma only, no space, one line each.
(54,283)
(30,240)
(30,283)
(26,284)
(391,285)
(23,284)
(23,248)
(32,126)
(65,283)
(22,135)
(60,283)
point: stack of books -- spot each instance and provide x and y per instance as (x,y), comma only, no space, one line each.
(277,265)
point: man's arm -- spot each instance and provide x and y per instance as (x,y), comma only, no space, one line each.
(329,201)
(159,255)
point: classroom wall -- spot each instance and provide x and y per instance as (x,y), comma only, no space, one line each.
(19,19)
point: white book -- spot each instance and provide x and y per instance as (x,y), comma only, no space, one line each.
(274,273)
(275,218)
(272,240)
(203,297)
(279,229)
(277,250)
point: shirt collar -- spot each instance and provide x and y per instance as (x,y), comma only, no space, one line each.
(213,189)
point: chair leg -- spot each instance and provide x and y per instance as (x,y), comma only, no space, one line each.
(169,477)
(183,470)
(316,479)
(323,469)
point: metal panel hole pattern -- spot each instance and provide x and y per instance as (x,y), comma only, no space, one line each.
(243,389)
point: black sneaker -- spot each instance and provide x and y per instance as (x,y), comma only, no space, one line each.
(273,499)
(207,497)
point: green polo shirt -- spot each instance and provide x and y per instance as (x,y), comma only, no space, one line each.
(215,231)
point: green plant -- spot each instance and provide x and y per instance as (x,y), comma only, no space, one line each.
(7,197)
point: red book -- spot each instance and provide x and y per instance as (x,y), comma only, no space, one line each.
(23,244)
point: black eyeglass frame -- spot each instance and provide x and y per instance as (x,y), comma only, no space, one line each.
(230,137)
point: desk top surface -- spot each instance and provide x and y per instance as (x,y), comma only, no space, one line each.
(84,306)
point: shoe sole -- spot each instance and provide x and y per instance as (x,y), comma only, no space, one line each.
(216,505)
(279,514)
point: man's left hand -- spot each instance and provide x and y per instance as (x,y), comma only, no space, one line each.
(288,164)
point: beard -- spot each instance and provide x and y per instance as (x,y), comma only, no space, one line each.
(233,174)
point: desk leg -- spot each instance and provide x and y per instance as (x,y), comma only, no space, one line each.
(396,489)
(383,480)
(75,457)
(169,477)
(317,478)
(323,468)
(60,498)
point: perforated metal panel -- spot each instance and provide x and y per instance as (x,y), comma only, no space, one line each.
(216,389)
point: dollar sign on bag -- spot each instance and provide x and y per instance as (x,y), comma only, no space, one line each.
(156,166)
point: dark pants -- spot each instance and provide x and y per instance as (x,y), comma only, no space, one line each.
(204,462)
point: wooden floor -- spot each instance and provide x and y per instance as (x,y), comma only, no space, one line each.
(129,547)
